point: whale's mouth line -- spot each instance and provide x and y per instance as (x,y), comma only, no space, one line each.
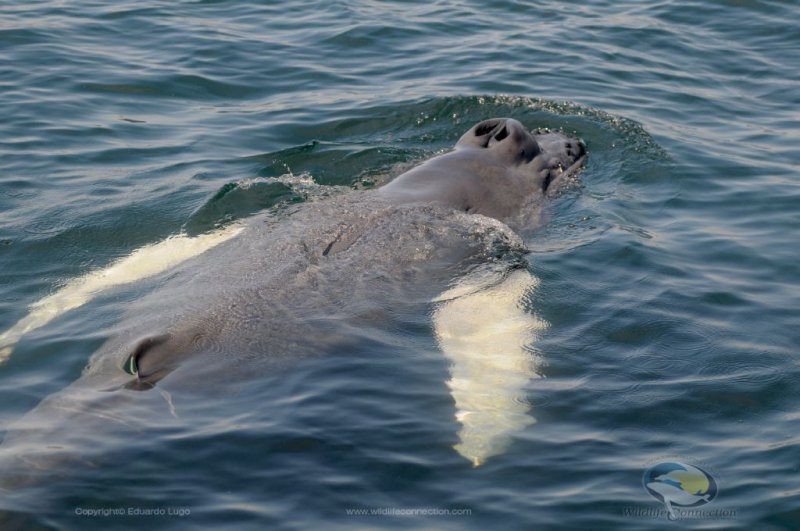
(558,175)
(98,414)
(547,180)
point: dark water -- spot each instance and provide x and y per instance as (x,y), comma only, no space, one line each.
(670,280)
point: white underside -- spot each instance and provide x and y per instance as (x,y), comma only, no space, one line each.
(483,330)
(142,263)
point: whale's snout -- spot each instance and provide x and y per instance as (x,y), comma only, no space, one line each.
(548,157)
(563,158)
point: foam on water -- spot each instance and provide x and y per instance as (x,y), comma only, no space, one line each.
(483,330)
(142,263)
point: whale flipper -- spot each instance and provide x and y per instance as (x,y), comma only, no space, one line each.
(485,334)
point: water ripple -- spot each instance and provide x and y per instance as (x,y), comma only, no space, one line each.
(669,276)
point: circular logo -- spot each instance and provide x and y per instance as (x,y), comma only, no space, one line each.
(679,485)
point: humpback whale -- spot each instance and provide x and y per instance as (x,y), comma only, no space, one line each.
(255,297)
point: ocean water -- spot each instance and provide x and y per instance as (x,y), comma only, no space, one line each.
(669,279)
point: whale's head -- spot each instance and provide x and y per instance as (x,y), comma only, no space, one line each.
(498,168)
(545,157)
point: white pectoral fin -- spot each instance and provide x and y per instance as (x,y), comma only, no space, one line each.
(142,263)
(485,333)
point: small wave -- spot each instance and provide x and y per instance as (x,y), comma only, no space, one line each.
(440,115)
(245,197)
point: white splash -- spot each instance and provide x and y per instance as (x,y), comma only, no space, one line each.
(483,330)
(142,263)
(302,184)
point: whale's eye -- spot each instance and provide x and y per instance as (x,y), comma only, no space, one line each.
(133,363)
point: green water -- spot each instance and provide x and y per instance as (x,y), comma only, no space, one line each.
(670,279)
